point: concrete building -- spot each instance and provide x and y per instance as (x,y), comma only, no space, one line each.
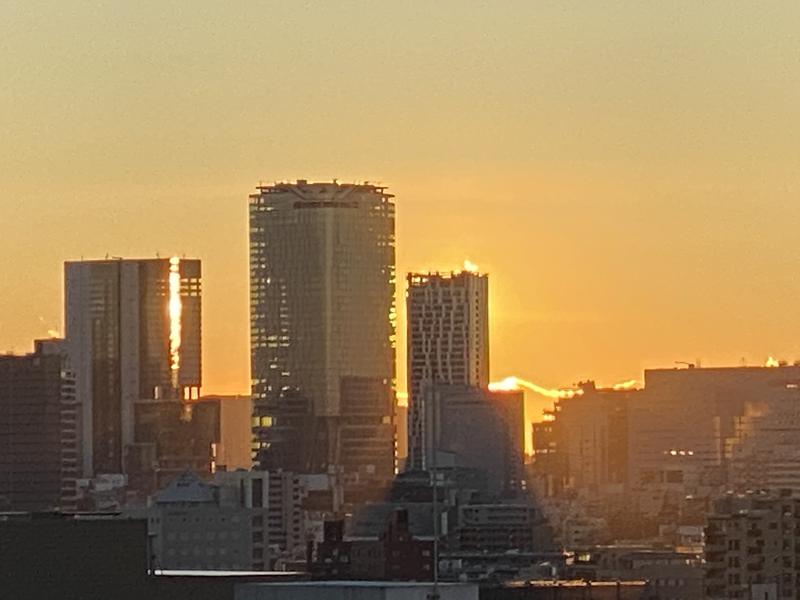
(448,342)
(751,546)
(132,334)
(244,521)
(499,527)
(236,431)
(39,427)
(322,281)
(476,428)
(670,574)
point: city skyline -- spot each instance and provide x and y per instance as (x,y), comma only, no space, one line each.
(639,235)
(456,300)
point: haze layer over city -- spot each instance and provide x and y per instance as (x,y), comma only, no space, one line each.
(627,174)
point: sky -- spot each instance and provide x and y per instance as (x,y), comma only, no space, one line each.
(628,173)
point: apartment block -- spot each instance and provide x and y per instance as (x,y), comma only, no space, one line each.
(752,546)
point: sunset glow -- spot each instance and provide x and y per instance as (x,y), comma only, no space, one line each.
(516,383)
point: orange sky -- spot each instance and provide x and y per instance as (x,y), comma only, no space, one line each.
(628,173)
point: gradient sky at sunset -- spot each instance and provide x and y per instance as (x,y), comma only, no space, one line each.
(627,172)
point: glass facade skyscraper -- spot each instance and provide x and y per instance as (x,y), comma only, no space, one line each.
(322,281)
(132,334)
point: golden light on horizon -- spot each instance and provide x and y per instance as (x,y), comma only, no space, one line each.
(625,385)
(515,383)
(772,362)
(175,312)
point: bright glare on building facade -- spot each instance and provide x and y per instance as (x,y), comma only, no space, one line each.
(322,281)
(132,335)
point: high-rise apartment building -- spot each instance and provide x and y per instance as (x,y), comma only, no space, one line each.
(448,341)
(133,333)
(322,280)
(38,431)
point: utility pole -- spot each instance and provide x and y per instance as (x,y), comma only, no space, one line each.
(435,487)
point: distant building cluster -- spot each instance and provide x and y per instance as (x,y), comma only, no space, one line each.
(684,488)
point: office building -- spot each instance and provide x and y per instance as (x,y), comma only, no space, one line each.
(751,546)
(582,445)
(132,334)
(322,281)
(448,342)
(38,431)
(764,451)
(243,520)
(694,411)
(475,428)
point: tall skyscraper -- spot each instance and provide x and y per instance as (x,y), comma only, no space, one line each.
(132,334)
(38,431)
(322,281)
(448,341)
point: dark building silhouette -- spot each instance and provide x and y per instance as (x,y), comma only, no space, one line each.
(170,438)
(38,431)
(80,557)
(394,556)
(479,429)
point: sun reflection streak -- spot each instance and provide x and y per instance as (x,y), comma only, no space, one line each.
(175,311)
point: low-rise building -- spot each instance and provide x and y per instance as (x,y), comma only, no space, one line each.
(245,520)
(671,574)
(752,541)
(498,527)
(395,555)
